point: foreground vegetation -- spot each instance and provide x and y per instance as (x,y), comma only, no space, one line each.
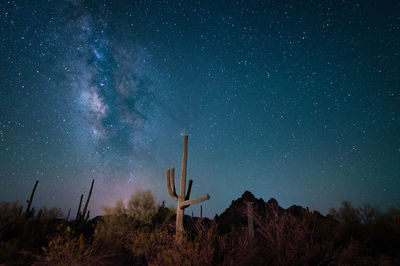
(142,233)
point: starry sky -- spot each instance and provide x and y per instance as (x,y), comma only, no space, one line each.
(296,100)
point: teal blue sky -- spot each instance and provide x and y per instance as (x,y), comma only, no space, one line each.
(299,101)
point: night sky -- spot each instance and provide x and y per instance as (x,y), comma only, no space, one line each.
(299,100)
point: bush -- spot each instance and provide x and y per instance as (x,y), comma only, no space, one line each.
(120,221)
(67,248)
(146,233)
(50,214)
(131,229)
(187,250)
(142,206)
(288,239)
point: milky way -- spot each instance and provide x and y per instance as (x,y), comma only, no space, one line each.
(114,93)
(296,101)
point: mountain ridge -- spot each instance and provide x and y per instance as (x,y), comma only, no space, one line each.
(235,216)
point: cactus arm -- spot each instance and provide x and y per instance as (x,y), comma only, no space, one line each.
(171,186)
(31,213)
(69,212)
(189,189)
(186,203)
(168,179)
(173,182)
(87,216)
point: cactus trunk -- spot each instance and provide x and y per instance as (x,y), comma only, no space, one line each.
(30,212)
(87,201)
(183,199)
(179,220)
(78,213)
(250,222)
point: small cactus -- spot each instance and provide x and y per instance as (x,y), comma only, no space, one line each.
(183,199)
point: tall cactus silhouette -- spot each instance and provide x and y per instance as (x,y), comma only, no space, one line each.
(84,215)
(85,209)
(250,222)
(183,199)
(30,212)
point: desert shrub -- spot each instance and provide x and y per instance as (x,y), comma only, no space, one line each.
(145,243)
(368,214)
(142,206)
(235,249)
(21,237)
(133,228)
(196,249)
(49,214)
(145,232)
(365,234)
(8,249)
(9,209)
(114,226)
(120,220)
(164,216)
(392,219)
(67,248)
(10,219)
(346,214)
(118,234)
(358,252)
(287,239)
(349,215)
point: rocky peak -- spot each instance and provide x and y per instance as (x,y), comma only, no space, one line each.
(247,196)
(272,203)
(236,215)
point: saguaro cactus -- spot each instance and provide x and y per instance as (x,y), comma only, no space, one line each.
(183,199)
(84,215)
(85,209)
(250,222)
